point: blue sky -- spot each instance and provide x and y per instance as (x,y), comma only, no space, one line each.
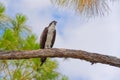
(100,34)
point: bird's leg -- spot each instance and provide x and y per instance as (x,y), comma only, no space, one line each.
(47,47)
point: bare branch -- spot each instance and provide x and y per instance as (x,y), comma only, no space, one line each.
(61,53)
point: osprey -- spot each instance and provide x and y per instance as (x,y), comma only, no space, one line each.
(47,38)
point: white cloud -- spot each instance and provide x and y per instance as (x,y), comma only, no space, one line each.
(3,1)
(78,68)
(36,4)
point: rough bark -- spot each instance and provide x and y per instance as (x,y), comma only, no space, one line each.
(61,53)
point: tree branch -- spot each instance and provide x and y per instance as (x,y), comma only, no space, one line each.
(61,53)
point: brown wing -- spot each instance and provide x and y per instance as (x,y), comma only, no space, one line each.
(53,40)
(43,38)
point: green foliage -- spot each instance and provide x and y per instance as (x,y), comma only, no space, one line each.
(29,43)
(2,9)
(25,69)
(19,25)
(3,17)
(8,42)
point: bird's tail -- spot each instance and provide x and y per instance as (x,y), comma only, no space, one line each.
(43,61)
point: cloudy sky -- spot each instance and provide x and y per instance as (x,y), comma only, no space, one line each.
(99,35)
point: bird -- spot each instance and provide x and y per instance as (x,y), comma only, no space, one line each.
(47,38)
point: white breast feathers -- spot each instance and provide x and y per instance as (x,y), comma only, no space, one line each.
(49,36)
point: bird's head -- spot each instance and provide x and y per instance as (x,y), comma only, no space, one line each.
(53,23)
